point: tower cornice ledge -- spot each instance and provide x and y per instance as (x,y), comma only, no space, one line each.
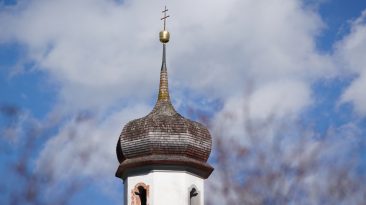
(130,167)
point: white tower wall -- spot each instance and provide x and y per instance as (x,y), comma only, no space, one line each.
(166,187)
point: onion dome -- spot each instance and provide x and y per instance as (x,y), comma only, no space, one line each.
(163,139)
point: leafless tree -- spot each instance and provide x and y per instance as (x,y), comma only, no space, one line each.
(291,164)
(21,140)
(294,165)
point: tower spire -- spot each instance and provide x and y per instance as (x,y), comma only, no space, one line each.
(164,146)
(163,87)
(164,38)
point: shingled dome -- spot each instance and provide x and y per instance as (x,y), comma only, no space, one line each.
(164,139)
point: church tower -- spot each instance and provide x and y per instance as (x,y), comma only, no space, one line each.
(163,156)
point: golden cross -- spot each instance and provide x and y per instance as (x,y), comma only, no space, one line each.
(165,16)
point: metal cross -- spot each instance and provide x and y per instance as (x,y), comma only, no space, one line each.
(165,16)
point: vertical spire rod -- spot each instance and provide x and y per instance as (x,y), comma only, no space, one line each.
(163,87)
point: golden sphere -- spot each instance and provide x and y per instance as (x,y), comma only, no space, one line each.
(164,36)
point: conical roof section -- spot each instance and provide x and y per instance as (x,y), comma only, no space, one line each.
(163,104)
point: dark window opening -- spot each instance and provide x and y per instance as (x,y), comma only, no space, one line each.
(142,194)
(194,198)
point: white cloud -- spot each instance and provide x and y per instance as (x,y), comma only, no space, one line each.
(95,50)
(261,113)
(87,147)
(351,54)
(105,51)
(283,99)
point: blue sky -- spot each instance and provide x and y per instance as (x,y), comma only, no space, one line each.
(77,71)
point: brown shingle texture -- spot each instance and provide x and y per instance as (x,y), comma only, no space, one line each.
(164,137)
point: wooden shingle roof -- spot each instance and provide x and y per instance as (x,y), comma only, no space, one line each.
(164,139)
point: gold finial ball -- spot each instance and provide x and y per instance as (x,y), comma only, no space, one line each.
(164,36)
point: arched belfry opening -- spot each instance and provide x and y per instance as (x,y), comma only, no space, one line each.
(140,194)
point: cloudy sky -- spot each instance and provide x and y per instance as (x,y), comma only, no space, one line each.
(80,69)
